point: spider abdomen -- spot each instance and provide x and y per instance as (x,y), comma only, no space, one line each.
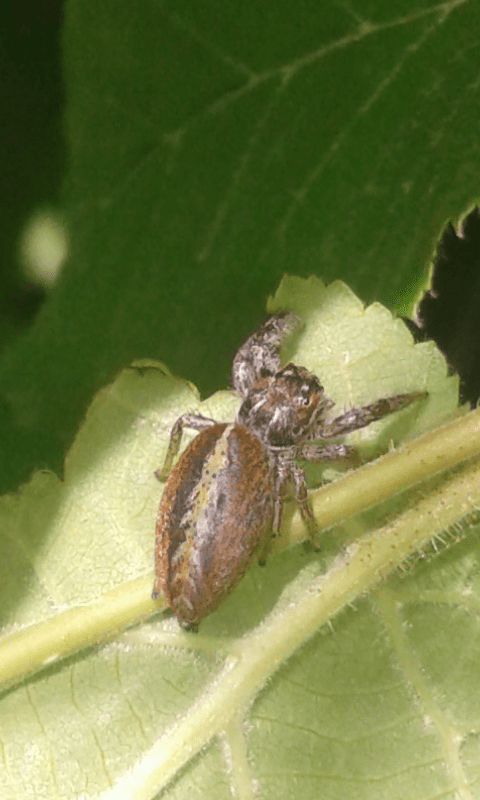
(215,513)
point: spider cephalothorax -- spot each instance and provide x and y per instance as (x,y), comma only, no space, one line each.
(284,409)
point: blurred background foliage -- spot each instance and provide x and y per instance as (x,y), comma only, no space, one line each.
(32,145)
(193,153)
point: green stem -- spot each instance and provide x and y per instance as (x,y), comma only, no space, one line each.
(416,461)
(305,606)
(32,648)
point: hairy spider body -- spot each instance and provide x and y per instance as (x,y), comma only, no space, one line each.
(215,512)
(223,499)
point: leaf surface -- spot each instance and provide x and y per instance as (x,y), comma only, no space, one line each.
(267,700)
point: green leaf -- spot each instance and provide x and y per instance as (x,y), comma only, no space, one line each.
(212,147)
(267,699)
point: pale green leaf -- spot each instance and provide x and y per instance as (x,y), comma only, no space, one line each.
(288,690)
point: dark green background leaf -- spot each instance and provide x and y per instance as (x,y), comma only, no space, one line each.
(214,146)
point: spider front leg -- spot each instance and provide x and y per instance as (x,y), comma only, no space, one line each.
(196,422)
(259,356)
(357,418)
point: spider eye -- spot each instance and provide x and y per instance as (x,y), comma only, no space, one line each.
(304,396)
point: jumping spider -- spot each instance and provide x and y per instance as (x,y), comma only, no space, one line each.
(223,499)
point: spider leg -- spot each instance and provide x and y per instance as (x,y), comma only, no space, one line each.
(282,468)
(288,471)
(196,422)
(301,496)
(324,452)
(360,417)
(259,356)
(285,470)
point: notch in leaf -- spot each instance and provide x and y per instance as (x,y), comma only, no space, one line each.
(449,311)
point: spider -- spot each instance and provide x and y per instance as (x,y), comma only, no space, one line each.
(223,499)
